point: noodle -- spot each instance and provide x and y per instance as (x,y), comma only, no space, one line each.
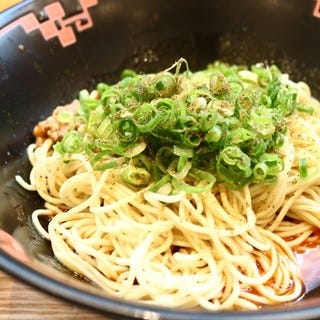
(219,249)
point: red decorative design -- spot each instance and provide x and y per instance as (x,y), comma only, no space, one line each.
(12,246)
(316,11)
(56,25)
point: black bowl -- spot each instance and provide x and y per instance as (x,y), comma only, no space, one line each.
(49,50)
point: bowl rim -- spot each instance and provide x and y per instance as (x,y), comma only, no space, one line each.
(132,310)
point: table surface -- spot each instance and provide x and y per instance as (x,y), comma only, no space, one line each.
(19,301)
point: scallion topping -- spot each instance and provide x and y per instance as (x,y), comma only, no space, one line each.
(137,177)
(303,169)
(72,142)
(224,124)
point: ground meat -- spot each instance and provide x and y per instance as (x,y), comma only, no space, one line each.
(52,128)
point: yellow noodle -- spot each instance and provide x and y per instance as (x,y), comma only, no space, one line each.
(221,249)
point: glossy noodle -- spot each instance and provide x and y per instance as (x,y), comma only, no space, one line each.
(222,248)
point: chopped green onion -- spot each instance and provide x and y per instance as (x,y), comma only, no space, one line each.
(141,160)
(127,131)
(137,177)
(265,75)
(274,165)
(87,103)
(163,158)
(71,143)
(219,84)
(105,165)
(165,85)
(266,101)
(305,108)
(202,175)
(286,101)
(146,118)
(177,172)
(192,130)
(128,73)
(303,168)
(180,185)
(102,87)
(104,129)
(258,149)
(191,139)
(110,97)
(278,139)
(183,152)
(240,136)
(234,166)
(260,171)
(213,135)
(95,118)
(166,109)
(160,183)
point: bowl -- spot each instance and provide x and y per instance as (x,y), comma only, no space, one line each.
(50,50)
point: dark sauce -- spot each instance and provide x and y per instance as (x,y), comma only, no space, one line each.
(308,256)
